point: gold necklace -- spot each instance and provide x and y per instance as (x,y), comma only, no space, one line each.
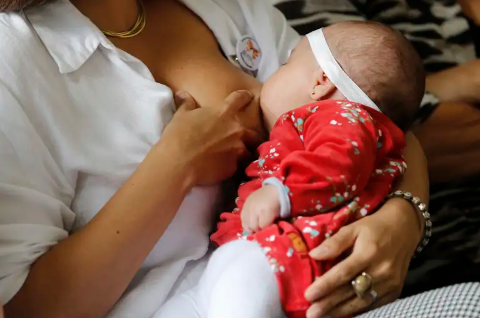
(136,29)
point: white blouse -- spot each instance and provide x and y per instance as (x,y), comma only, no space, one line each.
(77,116)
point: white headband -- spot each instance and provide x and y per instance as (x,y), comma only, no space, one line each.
(334,71)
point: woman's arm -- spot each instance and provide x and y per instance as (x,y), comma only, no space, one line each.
(450,136)
(451,139)
(85,274)
(460,84)
(415,179)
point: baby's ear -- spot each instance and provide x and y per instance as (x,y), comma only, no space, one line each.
(322,87)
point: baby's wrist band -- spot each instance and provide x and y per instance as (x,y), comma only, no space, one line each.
(285,206)
(422,208)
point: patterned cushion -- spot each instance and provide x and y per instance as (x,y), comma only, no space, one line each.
(436,28)
(459,301)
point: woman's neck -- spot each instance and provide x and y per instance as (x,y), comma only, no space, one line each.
(112,15)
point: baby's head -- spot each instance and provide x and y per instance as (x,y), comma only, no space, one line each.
(378,59)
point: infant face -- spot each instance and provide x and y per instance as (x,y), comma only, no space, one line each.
(379,60)
(291,86)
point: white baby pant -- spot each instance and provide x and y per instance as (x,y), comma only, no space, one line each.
(238,283)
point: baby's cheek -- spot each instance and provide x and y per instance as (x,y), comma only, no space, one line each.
(274,92)
(276,98)
(268,87)
(269,106)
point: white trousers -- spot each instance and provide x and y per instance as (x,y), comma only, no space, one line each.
(238,283)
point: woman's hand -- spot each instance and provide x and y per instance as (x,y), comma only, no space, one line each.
(381,245)
(210,141)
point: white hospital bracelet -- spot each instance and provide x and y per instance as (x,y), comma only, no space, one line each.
(285,206)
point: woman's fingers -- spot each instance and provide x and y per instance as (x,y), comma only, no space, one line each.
(339,275)
(232,104)
(218,142)
(386,299)
(236,101)
(349,307)
(251,138)
(323,306)
(184,101)
(343,301)
(356,305)
(334,246)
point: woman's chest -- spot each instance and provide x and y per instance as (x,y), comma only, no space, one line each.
(183,54)
(109,131)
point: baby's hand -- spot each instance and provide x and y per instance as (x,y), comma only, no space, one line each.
(261,208)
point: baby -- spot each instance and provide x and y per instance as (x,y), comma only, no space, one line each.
(336,111)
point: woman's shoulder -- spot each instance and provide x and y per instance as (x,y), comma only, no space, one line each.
(12,24)
(21,49)
(24,61)
(257,19)
(253,13)
(24,71)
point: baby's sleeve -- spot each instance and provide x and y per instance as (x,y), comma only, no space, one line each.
(338,158)
(34,197)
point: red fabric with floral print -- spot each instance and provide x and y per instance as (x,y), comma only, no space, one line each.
(337,161)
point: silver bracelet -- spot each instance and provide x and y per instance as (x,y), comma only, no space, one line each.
(422,207)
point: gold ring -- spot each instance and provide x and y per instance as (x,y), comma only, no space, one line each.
(362,284)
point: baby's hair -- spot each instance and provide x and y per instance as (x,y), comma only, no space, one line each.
(383,63)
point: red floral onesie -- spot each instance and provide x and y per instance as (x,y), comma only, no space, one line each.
(337,161)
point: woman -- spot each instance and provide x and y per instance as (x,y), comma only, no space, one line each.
(102,216)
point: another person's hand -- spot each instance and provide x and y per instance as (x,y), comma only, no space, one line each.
(471,8)
(381,245)
(261,209)
(209,141)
